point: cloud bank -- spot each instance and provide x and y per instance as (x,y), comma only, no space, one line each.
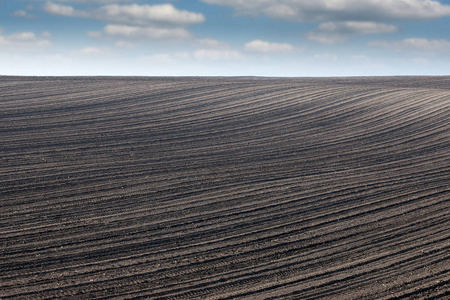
(268,47)
(134,21)
(136,32)
(217,54)
(134,14)
(94,1)
(24,41)
(415,44)
(342,10)
(339,32)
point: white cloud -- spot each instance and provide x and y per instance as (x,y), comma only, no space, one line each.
(21,14)
(353,27)
(22,41)
(214,54)
(326,57)
(92,51)
(339,32)
(135,21)
(63,10)
(22,36)
(146,15)
(167,57)
(181,55)
(94,1)
(125,44)
(415,44)
(46,35)
(211,43)
(360,58)
(421,61)
(133,14)
(136,32)
(268,47)
(339,10)
(94,34)
(324,38)
(162,57)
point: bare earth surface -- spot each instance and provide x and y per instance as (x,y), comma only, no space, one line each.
(225,188)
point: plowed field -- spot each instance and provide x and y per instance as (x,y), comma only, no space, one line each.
(224,188)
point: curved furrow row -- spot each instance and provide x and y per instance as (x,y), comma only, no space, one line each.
(278,217)
(138,260)
(302,208)
(139,216)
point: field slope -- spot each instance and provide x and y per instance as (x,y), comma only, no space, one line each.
(224,188)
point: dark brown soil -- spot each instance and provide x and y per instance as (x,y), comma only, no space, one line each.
(225,188)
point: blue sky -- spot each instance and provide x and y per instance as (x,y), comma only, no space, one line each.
(225,37)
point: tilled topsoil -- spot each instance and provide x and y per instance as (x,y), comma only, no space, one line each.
(224,188)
